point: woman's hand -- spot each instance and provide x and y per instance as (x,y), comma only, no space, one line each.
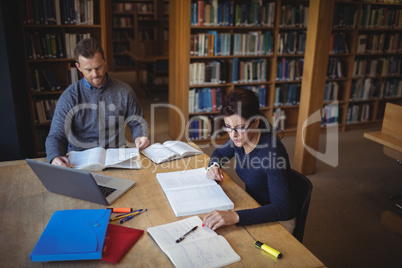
(215,173)
(216,219)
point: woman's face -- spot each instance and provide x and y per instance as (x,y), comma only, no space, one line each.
(239,129)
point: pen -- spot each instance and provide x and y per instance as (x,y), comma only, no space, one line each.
(127,218)
(268,249)
(184,236)
(135,212)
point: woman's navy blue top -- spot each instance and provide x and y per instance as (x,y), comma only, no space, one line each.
(265,172)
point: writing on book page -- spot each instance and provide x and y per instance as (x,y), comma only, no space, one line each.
(209,252)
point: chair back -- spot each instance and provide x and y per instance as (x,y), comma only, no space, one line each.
(301,188)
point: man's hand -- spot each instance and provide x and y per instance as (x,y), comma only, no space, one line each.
(142,142)
(61,161)
(216,219)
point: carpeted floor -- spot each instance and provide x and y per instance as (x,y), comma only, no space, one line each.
(343,226)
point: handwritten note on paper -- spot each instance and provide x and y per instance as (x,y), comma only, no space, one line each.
(202,248)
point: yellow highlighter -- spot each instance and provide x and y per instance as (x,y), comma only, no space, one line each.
(268,249)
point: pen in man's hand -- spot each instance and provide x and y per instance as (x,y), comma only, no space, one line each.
(184,236)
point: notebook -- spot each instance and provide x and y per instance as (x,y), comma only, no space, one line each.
(80,184)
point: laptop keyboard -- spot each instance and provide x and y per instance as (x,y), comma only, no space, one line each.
(106,190)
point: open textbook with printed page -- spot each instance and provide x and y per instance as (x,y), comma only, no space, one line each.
(97,159)
(201,248)
(169,150)
(191,192)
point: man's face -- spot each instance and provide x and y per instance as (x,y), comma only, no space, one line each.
(93,69)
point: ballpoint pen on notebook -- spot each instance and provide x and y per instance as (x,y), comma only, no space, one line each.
(135,212)
(184,236)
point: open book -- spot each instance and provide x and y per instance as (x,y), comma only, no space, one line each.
(191,192)
(201,248)
(169,150)
(97,159)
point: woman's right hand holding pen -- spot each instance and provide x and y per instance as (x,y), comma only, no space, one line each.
(215,173)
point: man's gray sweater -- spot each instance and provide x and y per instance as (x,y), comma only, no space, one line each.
(85,118)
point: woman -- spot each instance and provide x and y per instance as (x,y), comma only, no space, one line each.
(262,164)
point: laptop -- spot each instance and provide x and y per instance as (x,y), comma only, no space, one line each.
(80,184)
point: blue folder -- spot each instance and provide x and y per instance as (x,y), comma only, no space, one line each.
(73,235)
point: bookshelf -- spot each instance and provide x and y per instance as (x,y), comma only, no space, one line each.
(369,56)
(249,55)
(283,64)
(135,23)
(50,33)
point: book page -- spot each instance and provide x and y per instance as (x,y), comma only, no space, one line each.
(166,235)
(200,200)
(91,159)
(182,148)
(159,153)
(209,252)
(122,157)
(184,179)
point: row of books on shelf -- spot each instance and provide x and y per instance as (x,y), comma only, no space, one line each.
(331,91)
(123,62)
(40,140)
(294,16)
(391,88)
(380,17)
(379,43)
(123,21)
(130,7)
(123,47)
(253,43)
(345,16)
(214,72)
(377,67)
(338,43)
(289,69)
(205,100)
(210,44)
(43,80)
(44,110)
(358,113)
(287,94)
(52,45)
(334,69)
(228,13)
(73,74)
(58,12)
(202,127)
(292,42)
(364,89)
(329,115)
(278,118)
(249,71)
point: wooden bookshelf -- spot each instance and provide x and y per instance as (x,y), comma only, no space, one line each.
(53,61)
(180,59)
(134,22)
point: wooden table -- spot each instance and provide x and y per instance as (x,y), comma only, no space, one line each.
(390,137)
(26,207)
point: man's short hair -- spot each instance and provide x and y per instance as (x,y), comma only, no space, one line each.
(87,48)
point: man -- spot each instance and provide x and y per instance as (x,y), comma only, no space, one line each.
(94,111)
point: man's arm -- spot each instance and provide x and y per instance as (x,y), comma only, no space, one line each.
(57,142)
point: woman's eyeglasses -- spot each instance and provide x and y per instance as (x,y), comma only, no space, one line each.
(238,130)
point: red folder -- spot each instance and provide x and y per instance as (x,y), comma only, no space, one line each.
(118,241)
